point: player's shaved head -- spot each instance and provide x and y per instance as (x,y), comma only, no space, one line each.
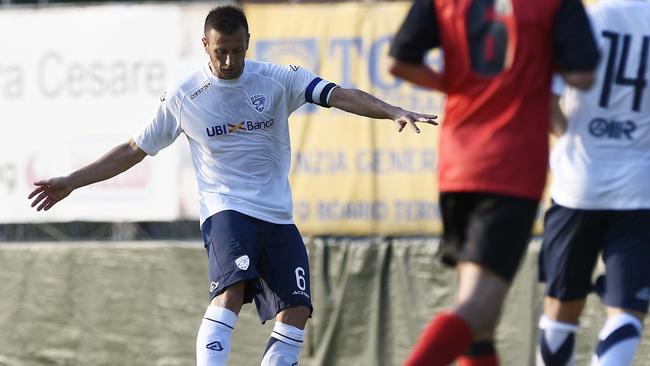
(226,19)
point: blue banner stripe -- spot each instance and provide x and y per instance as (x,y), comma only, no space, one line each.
(324,93)
(310,89)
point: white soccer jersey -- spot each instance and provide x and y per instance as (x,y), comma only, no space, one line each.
(603,160)
(238,134)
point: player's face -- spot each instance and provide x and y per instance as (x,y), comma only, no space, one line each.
(227,52)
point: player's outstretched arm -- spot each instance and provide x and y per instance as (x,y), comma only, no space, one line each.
(50,191)
(363,104)
(418,74)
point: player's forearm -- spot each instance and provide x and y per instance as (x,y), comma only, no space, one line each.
(116,161)
(363,104)
(418,74)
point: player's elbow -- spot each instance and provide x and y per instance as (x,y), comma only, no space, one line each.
(580,80)
(396,68)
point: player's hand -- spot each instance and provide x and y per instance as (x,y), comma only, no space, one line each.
(410,118)
(48,192)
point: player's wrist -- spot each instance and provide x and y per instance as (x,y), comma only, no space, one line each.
(396,112)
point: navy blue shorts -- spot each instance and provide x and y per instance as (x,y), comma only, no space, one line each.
(573,240)
(492,230)
(270,258)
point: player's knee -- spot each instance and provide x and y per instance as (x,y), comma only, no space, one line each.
(231,298)
(295,316)
(563,311)
(612,311)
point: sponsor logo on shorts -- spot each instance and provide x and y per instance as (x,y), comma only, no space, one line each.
(228,128)
(259,102)
(303,293)
(201,90)
(214,286)
(215,346)
(242,262)
(643,294)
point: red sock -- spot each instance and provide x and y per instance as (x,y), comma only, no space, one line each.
(444,339)
(480,354)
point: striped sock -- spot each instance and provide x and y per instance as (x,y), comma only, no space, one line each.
(283,348)
(556,343)
(618,341)
(213,338)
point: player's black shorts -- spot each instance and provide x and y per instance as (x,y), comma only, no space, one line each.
(271,258)
(489,229)
(573,240)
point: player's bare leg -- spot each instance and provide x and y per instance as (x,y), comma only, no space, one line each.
(214,336)
(558,325)
(471,322)
(480,296)
(283,348)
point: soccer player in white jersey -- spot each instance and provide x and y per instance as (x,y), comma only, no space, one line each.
(234,112)
(601,195)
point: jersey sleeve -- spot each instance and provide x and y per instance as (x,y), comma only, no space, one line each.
(573,39)
(305,87)
(417,34)
(163,129)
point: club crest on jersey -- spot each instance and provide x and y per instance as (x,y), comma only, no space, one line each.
(259,102)
(243,262)
(162,97)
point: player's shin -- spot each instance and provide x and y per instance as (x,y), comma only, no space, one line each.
(618,341)
(283,348)
(556,343)
(213,339)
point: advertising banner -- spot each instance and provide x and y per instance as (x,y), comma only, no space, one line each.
(352,175)
(74,82)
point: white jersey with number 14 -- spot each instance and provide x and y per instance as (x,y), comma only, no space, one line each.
(603,159)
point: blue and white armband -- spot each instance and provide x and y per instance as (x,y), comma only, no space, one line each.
(319,91)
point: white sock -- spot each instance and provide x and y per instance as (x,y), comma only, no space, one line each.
(284,346)
(556,344)
(618,341)
(213,338)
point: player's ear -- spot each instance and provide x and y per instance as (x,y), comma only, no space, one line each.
(248,38)
(205,45)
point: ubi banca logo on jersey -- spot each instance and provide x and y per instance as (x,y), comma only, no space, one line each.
(228,128)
